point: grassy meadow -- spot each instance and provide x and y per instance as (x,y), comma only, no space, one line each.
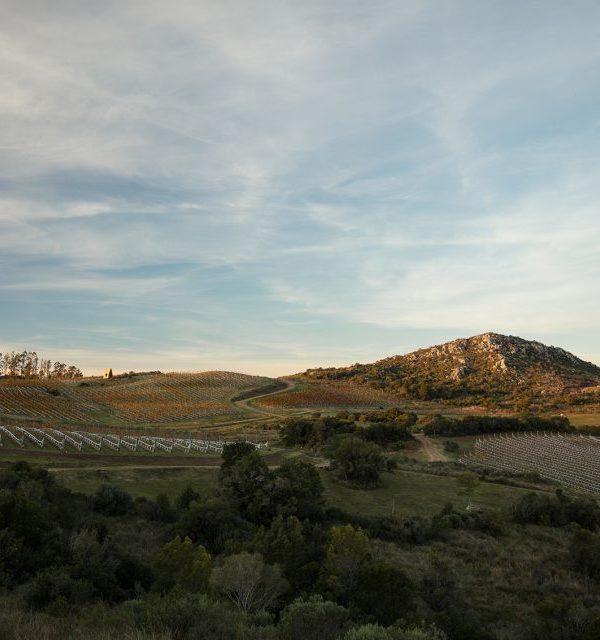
(405,493)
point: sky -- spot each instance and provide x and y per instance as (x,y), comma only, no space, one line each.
(269,186)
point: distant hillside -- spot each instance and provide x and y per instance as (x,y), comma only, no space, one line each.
(485,365)
(149,398)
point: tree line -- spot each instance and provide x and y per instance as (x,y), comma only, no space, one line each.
(439,425)
(28,364)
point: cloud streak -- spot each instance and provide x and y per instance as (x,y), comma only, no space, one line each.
(349,179)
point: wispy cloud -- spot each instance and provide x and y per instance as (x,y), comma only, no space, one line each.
(347,178)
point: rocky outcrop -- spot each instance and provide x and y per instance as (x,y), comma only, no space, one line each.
(490,361)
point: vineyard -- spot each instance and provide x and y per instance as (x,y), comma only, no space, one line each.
(329,395)
(173,397)
(48,402)
(80,440)
(141,399)
(572,460)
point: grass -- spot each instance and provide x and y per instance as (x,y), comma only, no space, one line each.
(413,493)
(52,458)
(465,445)
(584,419)
(146,482)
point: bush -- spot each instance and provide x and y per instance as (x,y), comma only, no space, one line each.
(355,460)
(451,446)
(585,553)
(112,501)
(312,619)
(557,510)
(376,632)
(52,585)
(188,616)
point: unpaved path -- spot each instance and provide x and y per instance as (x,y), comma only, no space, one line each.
(245,404)
(433,455)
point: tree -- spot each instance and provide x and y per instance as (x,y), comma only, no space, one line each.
(112,501)
(298,490)
(192,616)
(248,582)
(59,370)
(247,483)
(298,547)
(347,552)
(213,523)
(186,497)
(354,460)
(234,452)
(468,481)
(385,592)
(180,563)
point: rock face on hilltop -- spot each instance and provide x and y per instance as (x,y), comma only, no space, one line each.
(483,365)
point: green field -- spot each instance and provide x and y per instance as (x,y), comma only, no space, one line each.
(409,493)
(147,482)
(413,493)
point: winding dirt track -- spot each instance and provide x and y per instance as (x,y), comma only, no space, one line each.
(433,455)
(244,404)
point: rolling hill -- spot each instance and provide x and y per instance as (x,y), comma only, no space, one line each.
(489,365)
(139,399)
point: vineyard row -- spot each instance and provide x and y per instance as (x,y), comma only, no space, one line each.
(572,460)
(78,440)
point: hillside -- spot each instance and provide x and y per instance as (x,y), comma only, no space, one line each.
(490,365)
(153,398)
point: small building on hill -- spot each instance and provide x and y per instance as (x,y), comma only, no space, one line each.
(107,374)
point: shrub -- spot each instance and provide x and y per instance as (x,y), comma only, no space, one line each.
(112,501)
(312,619)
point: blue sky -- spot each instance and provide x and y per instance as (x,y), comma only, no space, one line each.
(269,186)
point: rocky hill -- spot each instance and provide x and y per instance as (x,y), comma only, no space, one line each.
(485,365)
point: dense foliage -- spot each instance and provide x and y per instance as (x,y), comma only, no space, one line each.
(439,425)
(264,558)
(382,427)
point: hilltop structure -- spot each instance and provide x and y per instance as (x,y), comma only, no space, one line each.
(108,373)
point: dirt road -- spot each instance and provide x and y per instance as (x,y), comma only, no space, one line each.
(245,404)
(433,455)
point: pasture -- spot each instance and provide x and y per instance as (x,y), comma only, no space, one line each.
(405,493)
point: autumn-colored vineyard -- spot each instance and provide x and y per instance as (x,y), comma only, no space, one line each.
(329,395)
(143,399)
